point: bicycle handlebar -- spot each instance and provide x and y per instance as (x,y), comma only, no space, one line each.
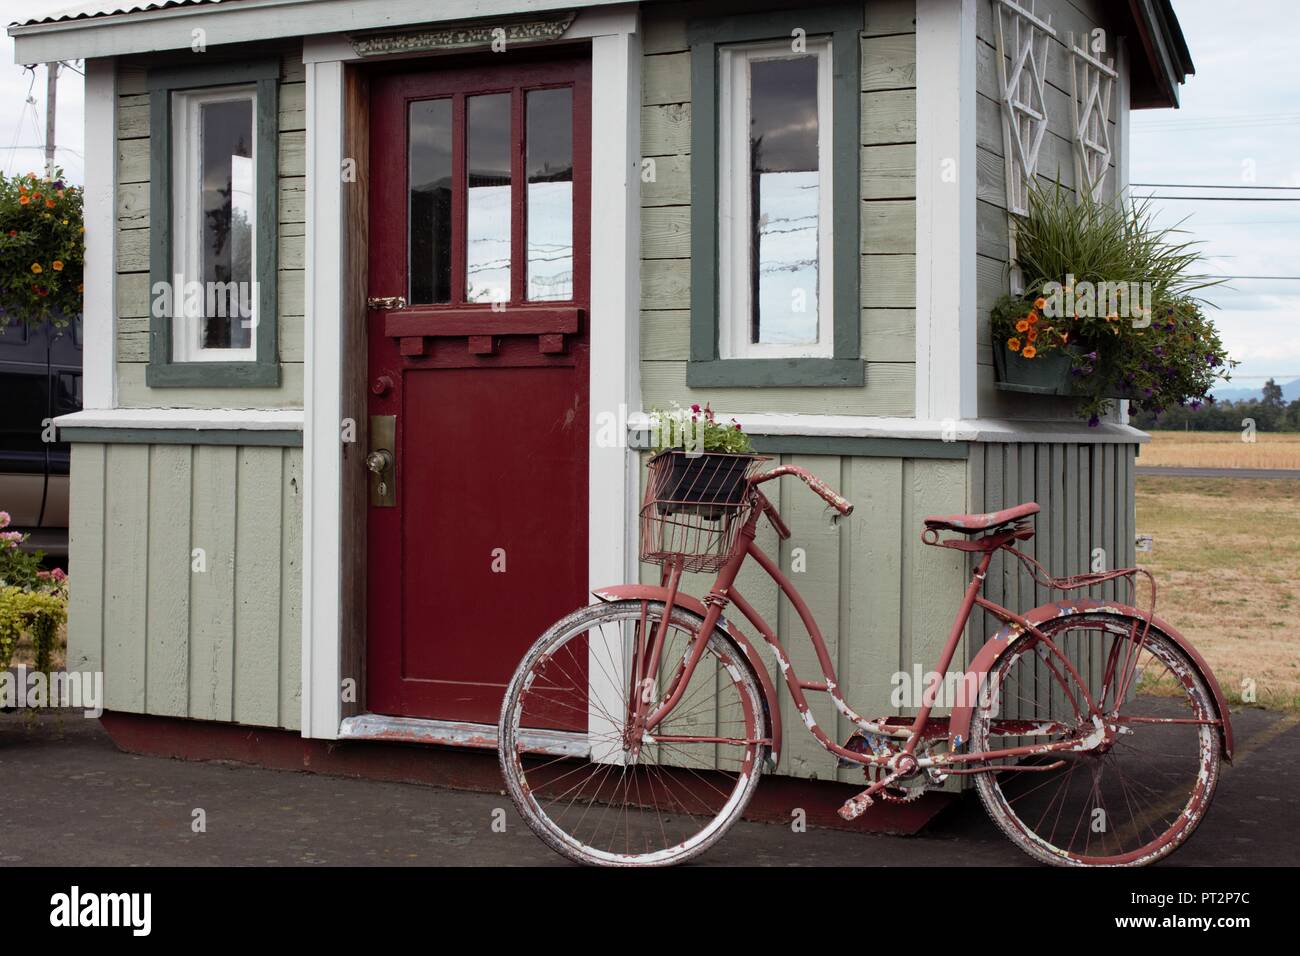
(832,498)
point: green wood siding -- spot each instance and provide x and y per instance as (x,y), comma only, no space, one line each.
(884,600)
(1055,160)
(887,240)
(878,594)
(220,644)
(133,245)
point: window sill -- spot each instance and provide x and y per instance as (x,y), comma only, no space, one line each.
(213,375)
(788,373)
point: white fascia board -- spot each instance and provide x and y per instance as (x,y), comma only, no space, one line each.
(173,29)
(971,430)
(224,419)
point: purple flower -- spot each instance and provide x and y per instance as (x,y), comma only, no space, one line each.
(1159,350)
(58,184)
(1094,421)
(1146,393)
(1196,404)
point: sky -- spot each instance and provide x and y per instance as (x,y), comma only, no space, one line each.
(1239,124)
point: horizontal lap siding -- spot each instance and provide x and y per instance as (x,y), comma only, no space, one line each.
(164,634)
(1056,158)
(882,599)
(132,252)
(887,237)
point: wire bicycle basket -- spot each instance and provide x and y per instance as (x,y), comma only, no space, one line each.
(694,506)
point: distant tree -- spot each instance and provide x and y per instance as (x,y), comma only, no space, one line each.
(1273,394)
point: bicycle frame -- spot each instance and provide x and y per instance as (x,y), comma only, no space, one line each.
(725,593)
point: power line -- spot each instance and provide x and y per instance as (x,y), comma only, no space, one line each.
(1225,198)
(1205,186)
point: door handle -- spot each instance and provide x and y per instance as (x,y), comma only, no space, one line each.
(381,462)
(386,302)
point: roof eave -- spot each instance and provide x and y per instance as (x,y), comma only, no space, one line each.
(170,28)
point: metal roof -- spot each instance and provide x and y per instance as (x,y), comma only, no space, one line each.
(108,8)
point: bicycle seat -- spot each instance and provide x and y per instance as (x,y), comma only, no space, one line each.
(970,524)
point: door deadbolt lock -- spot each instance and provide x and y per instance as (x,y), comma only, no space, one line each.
(381,463)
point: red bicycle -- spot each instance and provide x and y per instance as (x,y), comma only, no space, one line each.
(1093,730)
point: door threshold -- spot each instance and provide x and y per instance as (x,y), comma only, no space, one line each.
(453,733)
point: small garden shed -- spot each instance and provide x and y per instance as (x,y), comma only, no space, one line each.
(457,245)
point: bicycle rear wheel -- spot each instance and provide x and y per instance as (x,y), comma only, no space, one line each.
(1130,801)
(616,805)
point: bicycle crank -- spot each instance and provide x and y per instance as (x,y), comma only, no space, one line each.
(902,767)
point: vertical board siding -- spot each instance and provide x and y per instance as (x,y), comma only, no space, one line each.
(883,601)
(187,568)
(887,234)
(132,253)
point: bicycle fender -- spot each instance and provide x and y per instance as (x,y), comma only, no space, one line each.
(959,722)
(652,592)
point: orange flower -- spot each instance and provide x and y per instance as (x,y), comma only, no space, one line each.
(1032,318)
(13,233)
(1040,303)
(57,265)
(36,267)
(24,200)
(1033,334)
(1029,352)
(36,196)
(1022,325)
(1013,344)
(49,204)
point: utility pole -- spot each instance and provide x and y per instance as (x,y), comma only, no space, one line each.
(51,102)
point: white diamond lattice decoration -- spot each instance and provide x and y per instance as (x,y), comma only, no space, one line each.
(1092,85)
(1023,39)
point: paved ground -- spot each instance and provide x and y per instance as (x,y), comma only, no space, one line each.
(1169,471)
(69,797)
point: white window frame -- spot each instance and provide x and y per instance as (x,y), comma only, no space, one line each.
(734,228)
(187,220)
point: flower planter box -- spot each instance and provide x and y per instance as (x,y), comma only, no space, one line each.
(709,485)
(1046,375)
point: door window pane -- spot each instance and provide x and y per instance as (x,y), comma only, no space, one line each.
(227,207)
(429,196)
(784,200)
(549,166)
(487,242)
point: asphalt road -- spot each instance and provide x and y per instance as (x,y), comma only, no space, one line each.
(1155,471)
(68,797)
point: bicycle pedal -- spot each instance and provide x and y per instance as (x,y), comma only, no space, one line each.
(855,806)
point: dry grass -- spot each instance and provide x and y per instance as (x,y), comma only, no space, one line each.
(1227,563)
(1221,450)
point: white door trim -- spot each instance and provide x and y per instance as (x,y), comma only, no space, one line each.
(614,336)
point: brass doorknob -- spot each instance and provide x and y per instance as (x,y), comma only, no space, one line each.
(379,461)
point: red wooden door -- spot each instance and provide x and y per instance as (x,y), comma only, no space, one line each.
(479,198)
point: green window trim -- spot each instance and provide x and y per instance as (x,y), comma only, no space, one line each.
(162,371)
(706,367)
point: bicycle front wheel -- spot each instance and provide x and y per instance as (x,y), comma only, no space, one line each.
(1134,798)
(614,803)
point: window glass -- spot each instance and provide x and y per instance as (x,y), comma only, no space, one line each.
(487,217)
(549,165)
(226,225)
(429,197)
(784,198)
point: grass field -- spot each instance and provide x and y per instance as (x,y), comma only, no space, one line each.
(1221,450)
(1226,559)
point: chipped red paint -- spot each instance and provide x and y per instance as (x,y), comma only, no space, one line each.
(902,757)
(982,522)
